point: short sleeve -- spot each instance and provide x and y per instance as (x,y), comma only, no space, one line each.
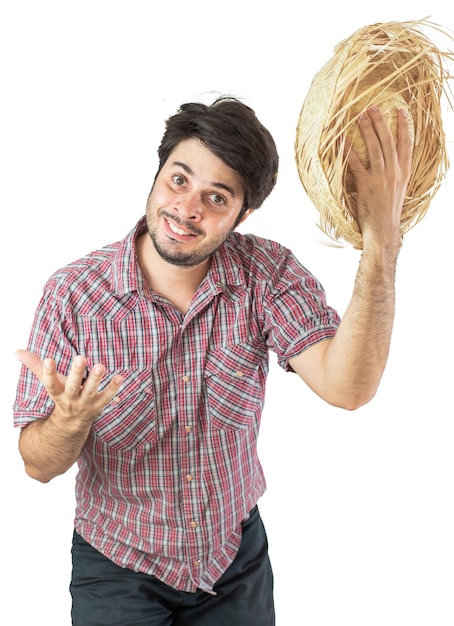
(296,314)
(48,338)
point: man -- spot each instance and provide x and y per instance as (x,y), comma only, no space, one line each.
(147,364)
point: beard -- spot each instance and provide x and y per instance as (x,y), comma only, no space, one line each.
(169,250)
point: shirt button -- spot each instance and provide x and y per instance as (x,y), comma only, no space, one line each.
(239,374)
(185,378)
(189,477)
(197,563)
(194,524)
(188,429)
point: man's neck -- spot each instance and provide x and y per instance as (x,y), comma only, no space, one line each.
(175,283)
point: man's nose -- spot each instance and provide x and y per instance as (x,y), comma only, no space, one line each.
(190,206)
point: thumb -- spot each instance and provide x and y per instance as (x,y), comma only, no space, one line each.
(32,361)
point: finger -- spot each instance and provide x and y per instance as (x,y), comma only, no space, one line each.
(377,137)
(75,376)
(353,161)
(373,146)
(32,361)
(91,385)
(404,141)
(50,378)
(45,371)
(111,390)
(397,150)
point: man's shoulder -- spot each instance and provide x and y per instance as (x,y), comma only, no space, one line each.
(256,253)
(95,263)
(254,246)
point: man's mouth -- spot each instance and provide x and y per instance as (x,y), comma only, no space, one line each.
(178,230)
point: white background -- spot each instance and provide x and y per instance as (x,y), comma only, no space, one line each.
(359,507)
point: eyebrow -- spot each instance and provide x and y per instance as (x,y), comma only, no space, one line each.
(189,171)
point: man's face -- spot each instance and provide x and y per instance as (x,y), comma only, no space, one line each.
(194,204)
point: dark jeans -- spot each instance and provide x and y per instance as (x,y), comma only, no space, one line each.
(107,595)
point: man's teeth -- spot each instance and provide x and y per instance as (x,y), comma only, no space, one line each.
(176,230)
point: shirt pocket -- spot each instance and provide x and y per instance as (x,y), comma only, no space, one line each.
(235,386)
(129,420)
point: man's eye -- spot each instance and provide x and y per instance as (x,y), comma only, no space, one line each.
(217,198)
(179,180)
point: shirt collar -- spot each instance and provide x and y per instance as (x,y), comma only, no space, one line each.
(225,270)
(126,274)
(226,267)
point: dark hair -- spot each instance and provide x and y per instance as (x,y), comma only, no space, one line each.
(231,130)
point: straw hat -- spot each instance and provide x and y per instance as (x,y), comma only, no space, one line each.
(393,65)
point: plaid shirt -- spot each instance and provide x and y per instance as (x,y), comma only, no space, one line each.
(170,469)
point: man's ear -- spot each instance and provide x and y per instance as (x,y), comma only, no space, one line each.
(245,215)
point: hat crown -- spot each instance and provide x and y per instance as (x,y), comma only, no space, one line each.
(392,65)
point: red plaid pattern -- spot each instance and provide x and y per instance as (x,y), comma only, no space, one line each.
(170,468)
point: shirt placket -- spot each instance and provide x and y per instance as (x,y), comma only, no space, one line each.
(188,384)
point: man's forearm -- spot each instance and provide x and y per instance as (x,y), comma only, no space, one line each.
(50,446)
(357,356)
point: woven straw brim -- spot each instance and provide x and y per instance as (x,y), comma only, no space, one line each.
(392,65)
